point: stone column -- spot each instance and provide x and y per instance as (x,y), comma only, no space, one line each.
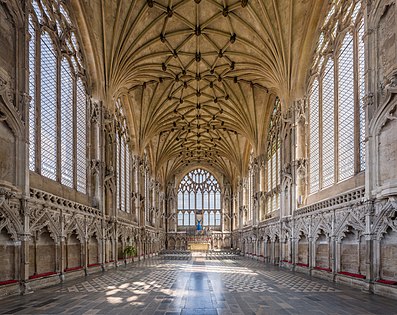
(25,238)
(300,165)
(255,191)
(372,257)
(337,257)
(273,251)
(310,252)
(96,149)
(295,245)
(136,187)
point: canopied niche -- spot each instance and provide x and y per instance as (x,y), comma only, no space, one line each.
(303,250)
(93,250)
(73,249)
(388,254)
(322,250)
(7,256)
(349,252)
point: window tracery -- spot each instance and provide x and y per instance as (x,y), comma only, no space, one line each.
(336,111)
(199,198)
(273,160)
(59,97)
(123,156)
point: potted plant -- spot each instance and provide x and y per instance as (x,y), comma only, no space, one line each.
(129,252)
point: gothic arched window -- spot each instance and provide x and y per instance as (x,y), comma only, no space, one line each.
(122,161)
(273,160)
(199,199)
(336,112)
(58,108)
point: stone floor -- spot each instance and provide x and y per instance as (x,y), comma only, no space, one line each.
(198,286)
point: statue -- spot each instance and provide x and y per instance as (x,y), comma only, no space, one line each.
(199,227)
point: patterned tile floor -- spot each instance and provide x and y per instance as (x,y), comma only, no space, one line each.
(198,286)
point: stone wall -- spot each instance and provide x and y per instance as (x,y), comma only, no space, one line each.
(49,232)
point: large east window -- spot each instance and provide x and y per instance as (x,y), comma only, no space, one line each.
(336,110)
(199,200)
(58,108)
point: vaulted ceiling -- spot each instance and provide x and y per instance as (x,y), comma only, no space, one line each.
(198,78)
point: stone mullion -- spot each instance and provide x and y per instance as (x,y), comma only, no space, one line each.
(356,103)
(58,117)
(75,132)
(336,117)
(320,131)
(39,32)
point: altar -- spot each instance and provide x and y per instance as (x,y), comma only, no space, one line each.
(198,242)
(193,246)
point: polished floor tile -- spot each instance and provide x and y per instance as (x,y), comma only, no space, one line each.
(198,286)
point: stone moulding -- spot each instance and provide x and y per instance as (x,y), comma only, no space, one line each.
(44,197)
(355,195)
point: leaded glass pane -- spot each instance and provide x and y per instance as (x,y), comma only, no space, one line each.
(118,172)
(198,190)
(66,124)
(346,109)
(361,75)
(205,215)
(186,200)
(192,220)
(122,175)
(45,129)
(328,125)
(180,200)
(217,200)
(212,200)
(273,171)
(48,108)
(180,218)
(314,138)
(206,200)
(191,201)
(199,200)
(218,218)
(212,218)
(32,94)
(81,137)
(127,178)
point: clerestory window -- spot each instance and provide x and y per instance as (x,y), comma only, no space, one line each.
(58,108)
(336,110)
